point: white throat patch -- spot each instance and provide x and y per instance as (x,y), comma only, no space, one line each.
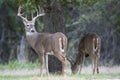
(29,33)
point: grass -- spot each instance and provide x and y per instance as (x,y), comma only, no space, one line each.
(68,77)
(20,65)
(30,71)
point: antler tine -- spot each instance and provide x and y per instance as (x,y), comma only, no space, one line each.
(39,13)
(26,17)
(19,10)
(41,10)
(32,14)
(70,60)
(19,13)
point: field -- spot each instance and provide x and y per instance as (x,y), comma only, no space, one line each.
(106,73)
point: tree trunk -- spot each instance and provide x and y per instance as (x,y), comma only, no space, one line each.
(22,54)
(54,22)
(4,54)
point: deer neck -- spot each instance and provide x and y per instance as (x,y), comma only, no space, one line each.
(78,59)
(31,38)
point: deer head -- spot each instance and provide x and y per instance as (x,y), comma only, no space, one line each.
(74,67)
(75,63)
(29,25)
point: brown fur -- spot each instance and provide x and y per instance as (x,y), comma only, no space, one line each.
(43,43)
(89,45)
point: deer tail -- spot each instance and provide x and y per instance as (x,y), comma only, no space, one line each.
(95,42)
(62,44)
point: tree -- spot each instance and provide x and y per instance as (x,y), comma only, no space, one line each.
(54,22)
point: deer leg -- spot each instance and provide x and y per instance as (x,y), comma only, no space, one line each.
(82,62)
(41,64)
(94,61)
(62,58)
(98,56)
(46,64)
(93,57)
(97,64)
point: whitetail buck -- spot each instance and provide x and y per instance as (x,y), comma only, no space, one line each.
(45,43)
(89,45)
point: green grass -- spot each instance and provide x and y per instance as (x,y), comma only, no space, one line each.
(14,67)
(20,65)
(68,77)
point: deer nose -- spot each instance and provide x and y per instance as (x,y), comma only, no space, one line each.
(32,30)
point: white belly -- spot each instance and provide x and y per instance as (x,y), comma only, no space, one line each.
(50,53)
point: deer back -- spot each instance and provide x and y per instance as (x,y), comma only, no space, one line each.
(89,43)
(47,42)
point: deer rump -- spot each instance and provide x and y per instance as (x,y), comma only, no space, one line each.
(88,43)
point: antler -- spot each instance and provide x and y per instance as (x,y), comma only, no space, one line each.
(39,13)
(70,60)
(20,15)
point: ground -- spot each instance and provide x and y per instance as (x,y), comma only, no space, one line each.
(106,73)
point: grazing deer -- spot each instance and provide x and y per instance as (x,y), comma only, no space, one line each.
(45,43)
(89,45)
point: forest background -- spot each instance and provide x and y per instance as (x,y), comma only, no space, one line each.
(78,17)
